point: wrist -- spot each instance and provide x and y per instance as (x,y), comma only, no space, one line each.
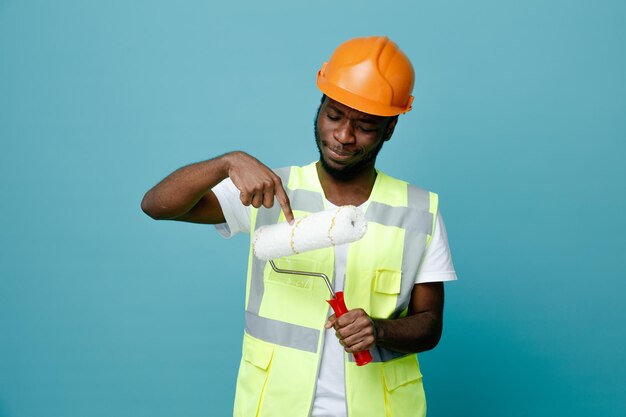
(378,329)
(227,162)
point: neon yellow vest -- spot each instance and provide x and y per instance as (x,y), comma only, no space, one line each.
(285,314)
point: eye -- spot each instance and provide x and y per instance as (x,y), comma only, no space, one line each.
(332,117)
(366,129)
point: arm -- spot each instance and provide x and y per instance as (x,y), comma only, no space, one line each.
(186,194)
(420,330)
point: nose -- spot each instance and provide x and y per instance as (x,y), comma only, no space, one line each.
(344,133)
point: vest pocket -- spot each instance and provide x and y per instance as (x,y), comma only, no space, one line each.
(384,297)
(404,392)
(257,352)
(294,263)
(387,281)
(253,372)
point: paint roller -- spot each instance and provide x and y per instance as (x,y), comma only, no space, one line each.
(344,224)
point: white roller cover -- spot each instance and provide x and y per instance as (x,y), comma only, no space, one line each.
(337,226)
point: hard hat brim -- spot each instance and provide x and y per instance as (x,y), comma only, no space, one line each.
(357,102)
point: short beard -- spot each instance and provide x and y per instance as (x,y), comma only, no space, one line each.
(350,171)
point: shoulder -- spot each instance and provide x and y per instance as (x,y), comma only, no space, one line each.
(300,177)
(285,172)
(416,196)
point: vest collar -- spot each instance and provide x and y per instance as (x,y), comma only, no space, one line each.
(310,181)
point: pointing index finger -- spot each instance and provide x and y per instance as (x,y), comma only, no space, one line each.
(283,200)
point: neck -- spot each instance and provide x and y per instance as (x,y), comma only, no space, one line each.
(354,190)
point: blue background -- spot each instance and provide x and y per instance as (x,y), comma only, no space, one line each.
(518,124)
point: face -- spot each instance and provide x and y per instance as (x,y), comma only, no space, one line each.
(349,140)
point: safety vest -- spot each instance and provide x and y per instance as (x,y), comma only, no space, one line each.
(285,314)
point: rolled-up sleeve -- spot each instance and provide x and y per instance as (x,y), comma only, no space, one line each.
(437,261)
(236,214)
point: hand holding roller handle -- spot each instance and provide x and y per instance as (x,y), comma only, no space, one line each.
(336,302)
(339,307)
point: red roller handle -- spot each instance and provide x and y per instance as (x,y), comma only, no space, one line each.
(339,307)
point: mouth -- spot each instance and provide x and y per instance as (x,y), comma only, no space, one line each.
(339,155)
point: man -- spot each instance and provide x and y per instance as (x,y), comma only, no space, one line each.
(297,360)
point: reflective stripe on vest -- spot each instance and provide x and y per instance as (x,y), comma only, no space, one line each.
(281,333)
(417,220)
(265,216)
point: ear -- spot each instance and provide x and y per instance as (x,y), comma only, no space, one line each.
(390,127)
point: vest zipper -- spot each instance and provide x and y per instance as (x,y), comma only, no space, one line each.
(323,332)
(319,362)
(345,385)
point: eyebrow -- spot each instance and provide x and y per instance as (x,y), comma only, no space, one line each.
(367,120)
